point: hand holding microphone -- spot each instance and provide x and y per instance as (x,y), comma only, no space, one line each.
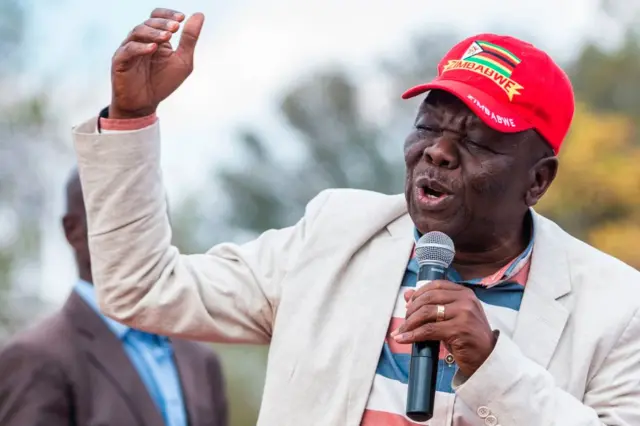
(145,69)
(440,312)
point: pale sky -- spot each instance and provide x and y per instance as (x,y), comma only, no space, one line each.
(249,52)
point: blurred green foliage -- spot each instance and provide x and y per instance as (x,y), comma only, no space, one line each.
(22,120)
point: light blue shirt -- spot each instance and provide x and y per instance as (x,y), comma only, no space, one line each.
(152,356)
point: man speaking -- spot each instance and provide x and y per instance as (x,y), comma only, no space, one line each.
(537,328)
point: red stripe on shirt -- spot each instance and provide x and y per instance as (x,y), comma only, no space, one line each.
(381,418)
(128,124)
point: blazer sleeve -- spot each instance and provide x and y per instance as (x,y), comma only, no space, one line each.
(33,389)
(517,391)
(229,294)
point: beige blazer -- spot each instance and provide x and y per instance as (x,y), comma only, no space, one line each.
(322,291)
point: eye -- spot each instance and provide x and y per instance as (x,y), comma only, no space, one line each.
(473,143)
(426,129)
(477,146)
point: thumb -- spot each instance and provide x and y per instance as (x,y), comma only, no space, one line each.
(190,35)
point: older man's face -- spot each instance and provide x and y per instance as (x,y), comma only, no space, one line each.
(463,178)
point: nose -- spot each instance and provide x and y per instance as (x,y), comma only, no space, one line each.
(442,153)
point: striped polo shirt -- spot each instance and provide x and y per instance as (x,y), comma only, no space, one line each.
(500,295)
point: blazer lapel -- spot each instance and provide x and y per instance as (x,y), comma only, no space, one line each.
(192,372)
(541,313)
(388,255)
(105,351)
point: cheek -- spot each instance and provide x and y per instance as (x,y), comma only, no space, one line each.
(491,180)
(412,156)
(407,183)
(413,149)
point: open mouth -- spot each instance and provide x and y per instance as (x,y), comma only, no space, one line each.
(430,193)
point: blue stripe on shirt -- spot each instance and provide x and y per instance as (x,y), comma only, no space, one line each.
(396,367)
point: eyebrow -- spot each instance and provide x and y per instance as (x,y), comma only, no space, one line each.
(431,109)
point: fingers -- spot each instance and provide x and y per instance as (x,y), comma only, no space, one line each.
(426,314)
(438,285)
(158,28)
(408,294)
(167,14)
(432,298)
(422,325)
(146,34)
(433,285)
(132,50)
(190,35)
(431,331)
(163,24)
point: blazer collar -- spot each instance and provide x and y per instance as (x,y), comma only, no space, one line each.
(194,379)
(542,313)
(387,254)
(105,351)
(87,292)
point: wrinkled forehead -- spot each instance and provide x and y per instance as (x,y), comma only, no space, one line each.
(443,106)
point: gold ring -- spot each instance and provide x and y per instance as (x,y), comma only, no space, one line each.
(440,314)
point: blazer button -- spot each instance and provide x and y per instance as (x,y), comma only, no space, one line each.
(483,412)
(491,420)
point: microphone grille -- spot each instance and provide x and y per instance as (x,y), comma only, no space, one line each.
(435,247)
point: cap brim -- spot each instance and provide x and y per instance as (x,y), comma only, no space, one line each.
(493,113)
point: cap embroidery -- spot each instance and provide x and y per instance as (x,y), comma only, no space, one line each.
(499,119)
(491,61)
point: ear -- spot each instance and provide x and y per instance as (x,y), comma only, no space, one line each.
(541,175)
(70,226)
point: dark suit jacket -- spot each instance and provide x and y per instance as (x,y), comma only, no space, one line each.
(72,370)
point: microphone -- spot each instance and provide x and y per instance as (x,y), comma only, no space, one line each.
(434,253)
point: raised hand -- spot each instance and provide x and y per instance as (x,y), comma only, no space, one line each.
(145,69)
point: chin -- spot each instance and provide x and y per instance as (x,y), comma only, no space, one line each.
(428,219)
(428,222)
(425,225)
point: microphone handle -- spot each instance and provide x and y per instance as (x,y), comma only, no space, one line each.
(423,369)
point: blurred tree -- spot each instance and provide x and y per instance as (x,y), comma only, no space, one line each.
(24,125)
(345,135)
(607,79)
(625,14)
(595,196)
(339,146)
(12,20)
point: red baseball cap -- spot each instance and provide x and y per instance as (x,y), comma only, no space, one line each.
(510,84)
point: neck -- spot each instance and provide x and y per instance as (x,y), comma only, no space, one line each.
(477,262)
(85,274)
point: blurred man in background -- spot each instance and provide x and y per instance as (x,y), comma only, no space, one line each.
(80,368)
